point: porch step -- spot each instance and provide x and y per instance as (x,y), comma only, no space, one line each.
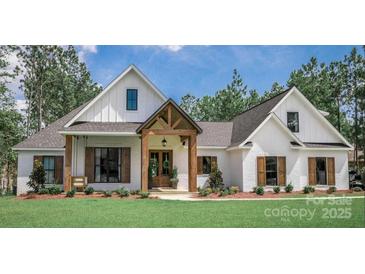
(167,190)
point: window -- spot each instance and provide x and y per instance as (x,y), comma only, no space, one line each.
(293,121)
(321,173)
(206,164)
(132,99)
(271,171)
(49,168)
(107,163)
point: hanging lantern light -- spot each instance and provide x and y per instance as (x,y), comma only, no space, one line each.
(164,142)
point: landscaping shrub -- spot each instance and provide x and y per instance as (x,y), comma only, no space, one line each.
(89,190)
(144,195)
(122,192)
(357,189)
(223,193)
(203,192)
(289,188)
(134,192)
(215,179)
(71,193)
(308,189)
(331,189)
(43,191)
(37,178)
(234,189)
(108,193)
(259,190)
(276,189)
(54,190)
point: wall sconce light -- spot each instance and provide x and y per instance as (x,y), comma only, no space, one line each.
(164,142)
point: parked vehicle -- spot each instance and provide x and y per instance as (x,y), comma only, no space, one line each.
(356,180)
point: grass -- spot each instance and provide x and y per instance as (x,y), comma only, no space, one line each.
(108,212)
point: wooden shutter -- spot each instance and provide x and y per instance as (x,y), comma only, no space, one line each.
(312,177)
(261,171)
(281,171)
(59,169)
(214,162)
(200,165)
(331,176)
(125,164)
(89,164)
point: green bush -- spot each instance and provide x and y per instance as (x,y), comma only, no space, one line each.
(259,190)
(331,189)
(89,190)
(276,189)
(108,193)
(234,189)
(71,193)
(308,189)
(289,188)
(54,190)
(223,193)
(144,195)
(203,192)
(215,179)
(37,178)
(43,191)
(122,192)
(134,192)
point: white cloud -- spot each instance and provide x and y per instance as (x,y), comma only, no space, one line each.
(21,106)
(173,48)
(84,51)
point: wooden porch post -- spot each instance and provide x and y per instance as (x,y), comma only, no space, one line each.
(68,161)
(192,159)
(144,161)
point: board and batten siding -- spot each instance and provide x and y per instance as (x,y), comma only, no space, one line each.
(311,128)
(111,107)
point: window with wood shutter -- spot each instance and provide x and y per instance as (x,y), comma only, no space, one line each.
(321,171)
(271,170)
(261,171)
(205,164)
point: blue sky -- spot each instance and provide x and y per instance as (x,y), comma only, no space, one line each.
(202,70)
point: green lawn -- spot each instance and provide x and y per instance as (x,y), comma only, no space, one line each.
(158,213)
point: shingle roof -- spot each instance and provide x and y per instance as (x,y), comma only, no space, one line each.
(49,136)
(325,145)
(215,134)
(246,122)
(104,127)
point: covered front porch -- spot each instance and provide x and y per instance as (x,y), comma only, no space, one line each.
(110,160)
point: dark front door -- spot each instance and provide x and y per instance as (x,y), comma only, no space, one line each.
(160,168)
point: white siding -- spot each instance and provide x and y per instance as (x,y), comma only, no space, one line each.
(25,167)
(296,160)
(311,128)
(111,107)
(235,160)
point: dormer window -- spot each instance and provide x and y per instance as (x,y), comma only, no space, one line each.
(293,121)
(132,99)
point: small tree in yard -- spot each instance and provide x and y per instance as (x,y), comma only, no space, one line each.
(216,179)
(37,178)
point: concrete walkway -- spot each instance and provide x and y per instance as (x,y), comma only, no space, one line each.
(187,197)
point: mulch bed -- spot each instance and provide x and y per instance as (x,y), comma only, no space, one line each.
(248,195)
(78,196)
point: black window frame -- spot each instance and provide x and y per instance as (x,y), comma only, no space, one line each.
(276,171)
(47,170)
(132,100)
(205,172)
(287,121)
(108,160)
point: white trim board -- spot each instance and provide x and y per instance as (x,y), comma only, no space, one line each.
(98,133)
(96,98)
(38,149)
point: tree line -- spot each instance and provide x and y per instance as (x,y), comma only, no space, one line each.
(53,81)
(337,88)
